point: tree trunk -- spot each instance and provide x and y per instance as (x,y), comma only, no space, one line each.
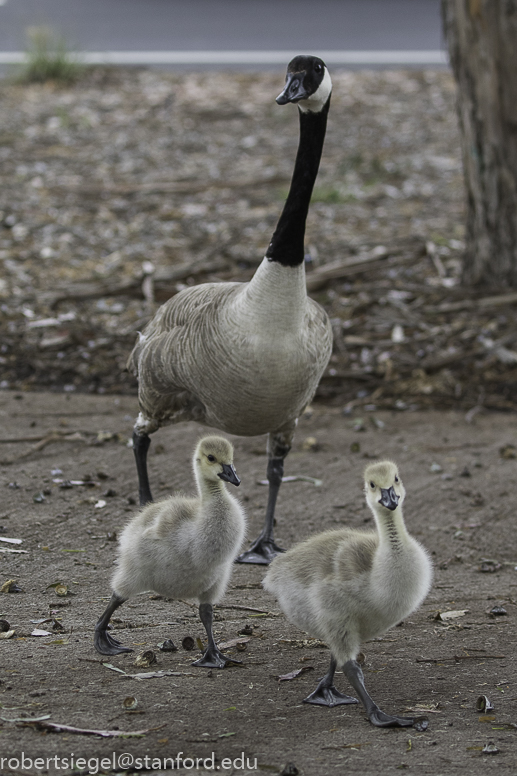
(482,40)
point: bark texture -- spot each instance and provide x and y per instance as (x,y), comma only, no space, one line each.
(482,41)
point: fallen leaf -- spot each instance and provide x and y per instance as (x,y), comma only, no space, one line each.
(113,668)
(233,643)
(294,674)
(17,552)
(26,719)
(451,615)
(39,632)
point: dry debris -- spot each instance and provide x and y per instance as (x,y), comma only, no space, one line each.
(123,189)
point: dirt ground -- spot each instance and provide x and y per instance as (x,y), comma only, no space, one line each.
(459,477)
(121,189)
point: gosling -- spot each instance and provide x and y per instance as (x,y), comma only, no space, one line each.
(182,548)
(347,586)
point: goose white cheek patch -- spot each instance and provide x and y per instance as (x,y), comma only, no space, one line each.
(316,101)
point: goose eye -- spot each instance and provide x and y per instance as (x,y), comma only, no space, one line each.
(211,458)
(318,67)
(372,484)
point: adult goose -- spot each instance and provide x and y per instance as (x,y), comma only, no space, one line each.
(246,358)
(347,586)
(182,547)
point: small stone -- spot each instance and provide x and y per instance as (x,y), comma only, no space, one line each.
(168,646)
(188,643)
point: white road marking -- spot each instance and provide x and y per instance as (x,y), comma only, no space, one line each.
(364,58)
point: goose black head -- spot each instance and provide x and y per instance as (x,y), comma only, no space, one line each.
(307,83)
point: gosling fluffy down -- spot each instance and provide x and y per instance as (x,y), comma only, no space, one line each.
(347,586)
(183,547)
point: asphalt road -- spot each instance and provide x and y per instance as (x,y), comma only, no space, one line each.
(231,28)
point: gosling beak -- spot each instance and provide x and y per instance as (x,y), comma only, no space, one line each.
(294,90)
(389,498)
(229,474)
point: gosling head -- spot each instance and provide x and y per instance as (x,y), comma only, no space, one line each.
(213,459)
(383,487)
(307,83)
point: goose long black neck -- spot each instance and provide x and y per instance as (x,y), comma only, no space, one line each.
(287,244)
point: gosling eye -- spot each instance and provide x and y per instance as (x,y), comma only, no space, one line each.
(396,478)
(372,484)
(211,458)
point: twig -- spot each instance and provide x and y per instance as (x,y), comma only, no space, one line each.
(243,608)
(180,187)
(87,732)
(469,304)
(52,436)
(163,280)
(457,658)
(319,277)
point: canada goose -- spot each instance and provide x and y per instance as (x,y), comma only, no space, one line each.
(182,547)
(346,586)
(246,358)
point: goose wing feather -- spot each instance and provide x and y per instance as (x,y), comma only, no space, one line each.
(196,360)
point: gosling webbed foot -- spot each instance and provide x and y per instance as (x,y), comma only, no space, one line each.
(214,658)
(328,695)
(261,552)
(380,719)
(107,645)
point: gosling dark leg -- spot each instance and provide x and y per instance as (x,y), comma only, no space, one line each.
(141,444)
(103,642)
(325,693)
(213,657)
(264,549)
(377,717)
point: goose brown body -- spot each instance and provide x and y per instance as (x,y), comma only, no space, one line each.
(222,355)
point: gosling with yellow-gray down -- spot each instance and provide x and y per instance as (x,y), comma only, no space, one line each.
(347,586)
(182,547)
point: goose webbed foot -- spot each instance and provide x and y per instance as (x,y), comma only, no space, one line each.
(328,695)
(107,645)
(325,693)
(261,552)
(102,640)
(380,719)
(214,658)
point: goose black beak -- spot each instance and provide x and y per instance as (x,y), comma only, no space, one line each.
(229,474)
(389,498)
(294,90)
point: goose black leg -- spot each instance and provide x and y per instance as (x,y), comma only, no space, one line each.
(377,717)
(213,657)
(141,444)
(264,549)
(325,693)
(103,642)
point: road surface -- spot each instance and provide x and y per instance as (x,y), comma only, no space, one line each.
(232,32)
